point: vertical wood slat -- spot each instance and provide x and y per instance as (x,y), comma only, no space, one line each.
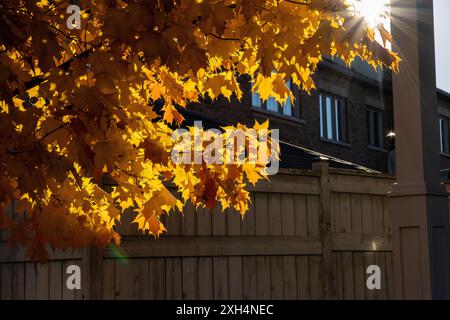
(289,267)
(173,266)
(43,280)
(30,281)
(56,279)
(389,276)
(369,259)
(174,279)
(347,276)
(189,265)
(328,258)
(140,279)
(220,264)
(205,265)
(157,278)
(262,262)
(123,278)
(276,262)
(380,260)
(356,213)
(235,276)
(109,288)
(249,277)
(302,262)
(346,225)
(6,290)
(359,275)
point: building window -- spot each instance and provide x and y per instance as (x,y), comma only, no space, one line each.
(332,118)
(443,134)
(375,128)
(288,108)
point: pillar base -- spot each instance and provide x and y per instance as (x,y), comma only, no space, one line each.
(420,237)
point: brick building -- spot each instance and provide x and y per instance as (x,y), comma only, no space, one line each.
(347,116)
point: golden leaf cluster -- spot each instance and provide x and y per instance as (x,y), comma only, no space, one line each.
(78,106)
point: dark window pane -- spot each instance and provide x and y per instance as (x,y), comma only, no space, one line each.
(376,136)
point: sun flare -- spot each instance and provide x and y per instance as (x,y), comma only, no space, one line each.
(373,11)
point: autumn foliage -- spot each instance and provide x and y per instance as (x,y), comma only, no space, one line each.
(101,102)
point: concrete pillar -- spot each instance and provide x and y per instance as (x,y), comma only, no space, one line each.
(418,202)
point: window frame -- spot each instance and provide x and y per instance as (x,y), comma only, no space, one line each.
(336,109)
(296,110)
(444,149)
(375,132)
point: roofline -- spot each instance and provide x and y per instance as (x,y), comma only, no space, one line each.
(385,84)
(443,94)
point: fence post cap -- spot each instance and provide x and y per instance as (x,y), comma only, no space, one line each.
(320,162)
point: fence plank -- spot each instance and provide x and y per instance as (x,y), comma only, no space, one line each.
(204,221)
(55,280)
(249,278)
(367,215)
(386,216)
(109,289)
(347,275)
(335,215)
(276,263)
(339,275)
(157,278)
(389,276)
(356,212)
(377,207)
(43,277)
(18,281)
(303,283)
(220,264)
(248,223)
(6,289)
(220,267)
(173,223)
(313,216)
(301,215)
(380,260)
(276,278)
(174,279)
(359,275)
(140,278)
(235,276)
(315,274)
(263,277)
(123,279)
(289,268)
(188,222)
(261,214)
(205,266)
(205,278)
(345,213)
(190,278)
(30,281)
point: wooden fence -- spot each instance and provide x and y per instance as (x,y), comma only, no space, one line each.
(308,235)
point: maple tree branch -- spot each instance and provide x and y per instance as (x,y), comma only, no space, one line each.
(298,2)
(54,6)
(53,131)
(223,38)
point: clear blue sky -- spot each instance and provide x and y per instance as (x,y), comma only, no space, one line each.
(442,40)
